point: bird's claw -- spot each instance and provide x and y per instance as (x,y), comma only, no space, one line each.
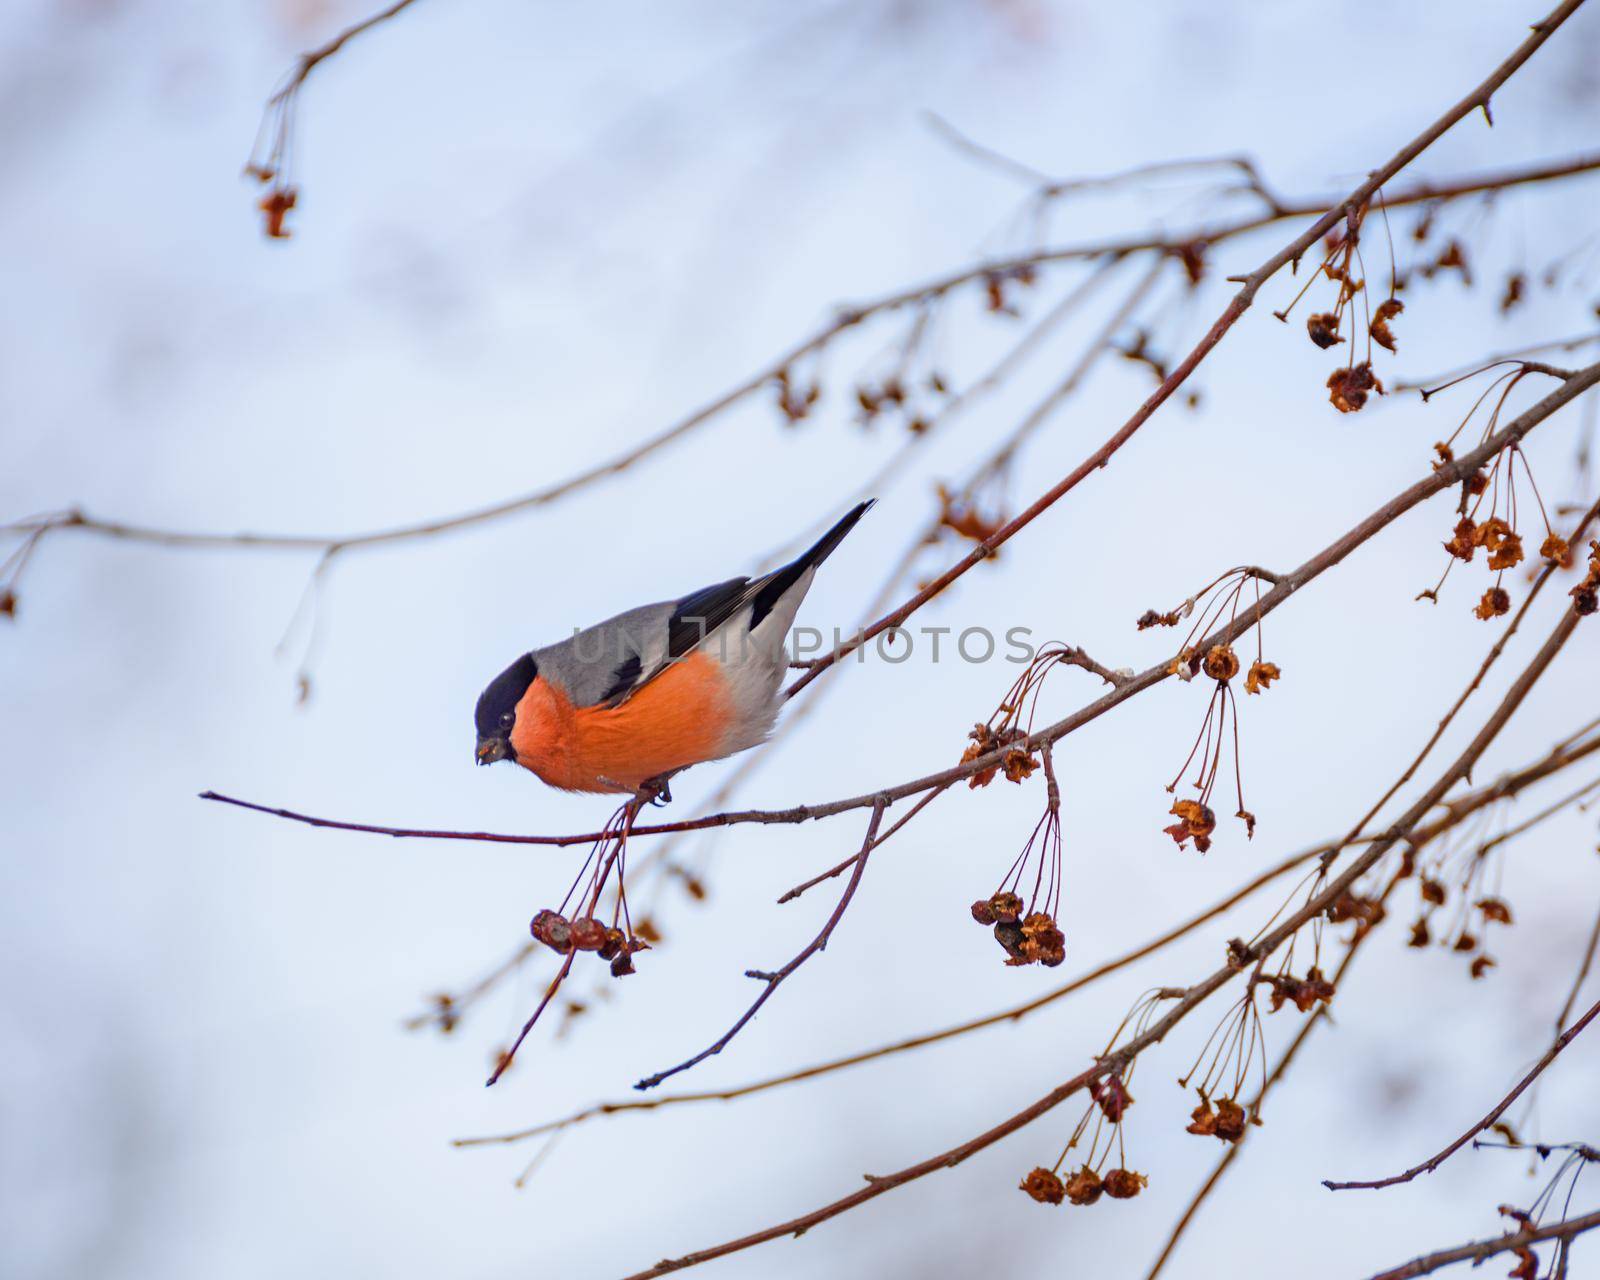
(656,792)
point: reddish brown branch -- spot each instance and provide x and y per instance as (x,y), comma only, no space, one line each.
(1583,972)
(1249,286)
(1493,656)
(308,61)
(773,980)
(1014,1014)
(1563,756)
(1288,584)
(1195,995)
(1560,757)
(1499,1109)
(845,318)
(1482,1249)
(1279,1070)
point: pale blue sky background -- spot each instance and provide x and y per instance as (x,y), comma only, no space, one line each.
(529,235)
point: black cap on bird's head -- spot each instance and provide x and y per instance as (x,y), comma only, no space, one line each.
(497,710)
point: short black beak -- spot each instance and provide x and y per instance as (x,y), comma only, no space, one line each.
(492,749)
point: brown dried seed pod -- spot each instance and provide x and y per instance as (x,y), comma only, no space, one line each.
(1261,675)
(588,934)
(1323,329)
(1007,907)
(1496,601)
(1124,1184)
(1084,1187)
(1230,1120)
(1221,662)
(1044,1186)
(1348,388)
(552,929)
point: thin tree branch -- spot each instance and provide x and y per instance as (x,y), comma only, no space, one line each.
(1419,838)
(309,61)
(1014,1014)
(1583,972)
(1285,1060)
(1480,1250)
(1116,1062)
(1249,286)
(1499,1109)
(1288,584)
(844,318)
(1563,756)
(775,979)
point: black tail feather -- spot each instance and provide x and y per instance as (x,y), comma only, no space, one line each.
(773,589)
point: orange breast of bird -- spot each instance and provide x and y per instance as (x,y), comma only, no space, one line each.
(680,718)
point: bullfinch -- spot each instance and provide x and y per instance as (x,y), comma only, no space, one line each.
(651,691)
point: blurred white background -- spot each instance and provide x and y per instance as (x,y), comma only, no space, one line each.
(529,235)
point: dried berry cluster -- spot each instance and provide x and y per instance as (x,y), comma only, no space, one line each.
(1366,911)
(1220,663)
(1017,763)
(1350,387)
(1303,993)
(1224,1120)
(1459,936)
(1034,938)
(795,402)
(1109,1102)
(1495,533)
(1224,1062)
(588,934)
(269,163)
(997,287)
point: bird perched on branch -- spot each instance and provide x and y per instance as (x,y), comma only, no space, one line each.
(621,706)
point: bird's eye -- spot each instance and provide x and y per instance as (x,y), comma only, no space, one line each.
(507,718)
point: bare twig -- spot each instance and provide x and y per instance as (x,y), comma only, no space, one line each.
(1583,973)
(845,318)
(773,980)
(1493,656)
(1564,755)
(1288,584)
(1013,1014)
(1250,285)
(1561,756)
(1499,1109)
(309,61)
(1116,1062)
(1482,1249)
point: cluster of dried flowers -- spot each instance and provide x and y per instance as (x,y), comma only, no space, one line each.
(1496,533)
(997,287)
(1111,1100)
(1226,1057)
(1030,932)
(1017,763)
(1349,388)
(1224,1120)
(1460,936)
(1107,1109)
(585,933)
(795,401)
(1220,663)
(270,158)
(1034,938)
